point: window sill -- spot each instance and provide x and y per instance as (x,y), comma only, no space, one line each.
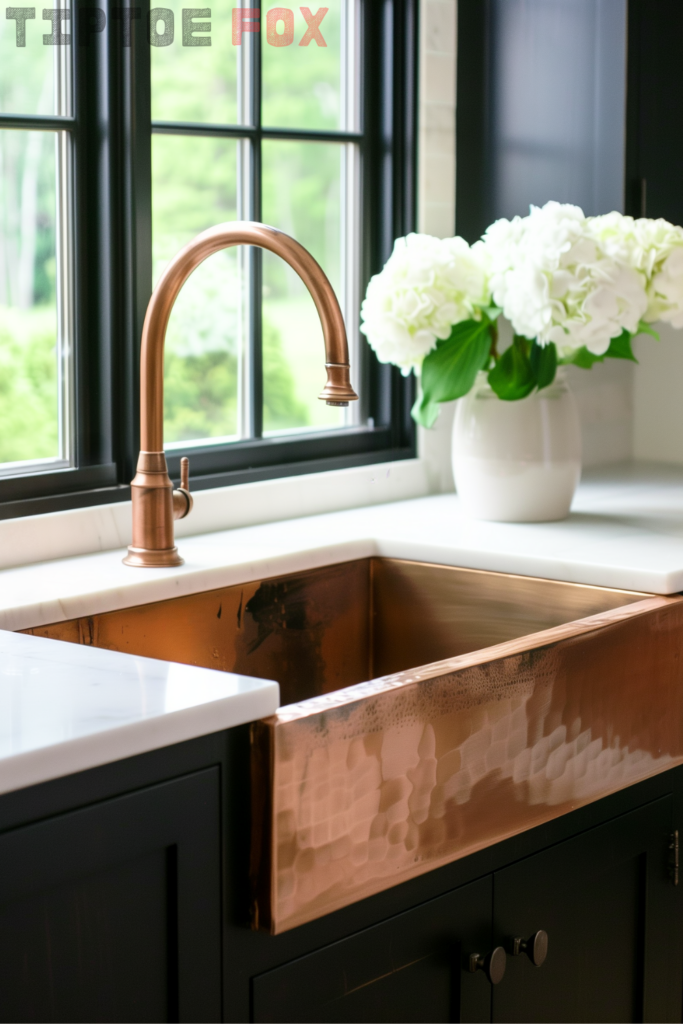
(105,527)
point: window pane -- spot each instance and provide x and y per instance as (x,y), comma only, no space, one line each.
(194,82)
(303,86)
(193,188)
(26,70)
(302,195)
(29,359)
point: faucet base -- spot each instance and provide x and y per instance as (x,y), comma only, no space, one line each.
(149,558)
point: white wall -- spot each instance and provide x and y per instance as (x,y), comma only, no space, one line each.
(436,182)
(604,395)
(657,397)
(436,160)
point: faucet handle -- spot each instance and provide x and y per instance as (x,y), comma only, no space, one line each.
(182,499)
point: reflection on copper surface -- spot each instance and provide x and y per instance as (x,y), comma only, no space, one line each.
(398,776)
(323,629)
(533,698)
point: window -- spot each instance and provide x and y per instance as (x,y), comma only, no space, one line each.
(36,337)
(181,119)
(260,133)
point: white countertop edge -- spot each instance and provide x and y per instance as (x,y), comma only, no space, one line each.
(67,757)
(598,574)
(145,586)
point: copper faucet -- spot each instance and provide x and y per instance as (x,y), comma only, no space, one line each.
(155,503)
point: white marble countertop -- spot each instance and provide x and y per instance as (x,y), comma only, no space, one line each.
(68,707)
(625,530)
(64,708)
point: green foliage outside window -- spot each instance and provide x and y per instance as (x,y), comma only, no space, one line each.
(194,187)
(28,384)
(201,392)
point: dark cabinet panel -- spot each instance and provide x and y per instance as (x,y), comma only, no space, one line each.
(605,898)
(112,913)
(655,109)
(112,910)
(541,107)
(408,968)
(606,901)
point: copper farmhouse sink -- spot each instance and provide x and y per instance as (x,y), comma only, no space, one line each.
(427,711)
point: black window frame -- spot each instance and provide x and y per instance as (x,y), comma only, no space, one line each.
(112,244)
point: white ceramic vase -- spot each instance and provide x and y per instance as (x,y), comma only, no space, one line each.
(517,462)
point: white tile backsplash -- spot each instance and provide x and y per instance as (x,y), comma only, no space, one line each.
(436,198)
(658,401)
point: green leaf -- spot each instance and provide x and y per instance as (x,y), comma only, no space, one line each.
(512,377)
(644,328)
(583,358)
(543,359)
(620,348)
(491,312)
(449,370)
(425,412)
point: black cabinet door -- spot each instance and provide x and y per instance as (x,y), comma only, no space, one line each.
(609,907)
(112,913)
(408,968)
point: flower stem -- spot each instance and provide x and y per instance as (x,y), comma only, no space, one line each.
(493,331)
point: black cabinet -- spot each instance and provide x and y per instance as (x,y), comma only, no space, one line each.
(605,899)
(124,896)
(405,969)
(112,912)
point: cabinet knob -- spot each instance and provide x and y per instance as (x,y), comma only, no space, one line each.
(492,964)
(535,947)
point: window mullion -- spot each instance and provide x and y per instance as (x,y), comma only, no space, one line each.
(249,208)
(244,204)
(255,339)
(64,73)
(357,412)
(65,297)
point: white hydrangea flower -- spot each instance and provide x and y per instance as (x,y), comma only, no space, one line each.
(665,291)
(653,247)
(426,286)
(555,282)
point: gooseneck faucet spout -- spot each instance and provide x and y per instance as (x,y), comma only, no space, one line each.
(155,503)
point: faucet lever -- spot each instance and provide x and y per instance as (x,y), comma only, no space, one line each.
(182,499)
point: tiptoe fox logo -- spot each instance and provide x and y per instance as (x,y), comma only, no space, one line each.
(161,29)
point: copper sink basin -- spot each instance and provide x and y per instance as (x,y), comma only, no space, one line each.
(428,711)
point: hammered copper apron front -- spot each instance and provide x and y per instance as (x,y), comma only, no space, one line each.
(534,698)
